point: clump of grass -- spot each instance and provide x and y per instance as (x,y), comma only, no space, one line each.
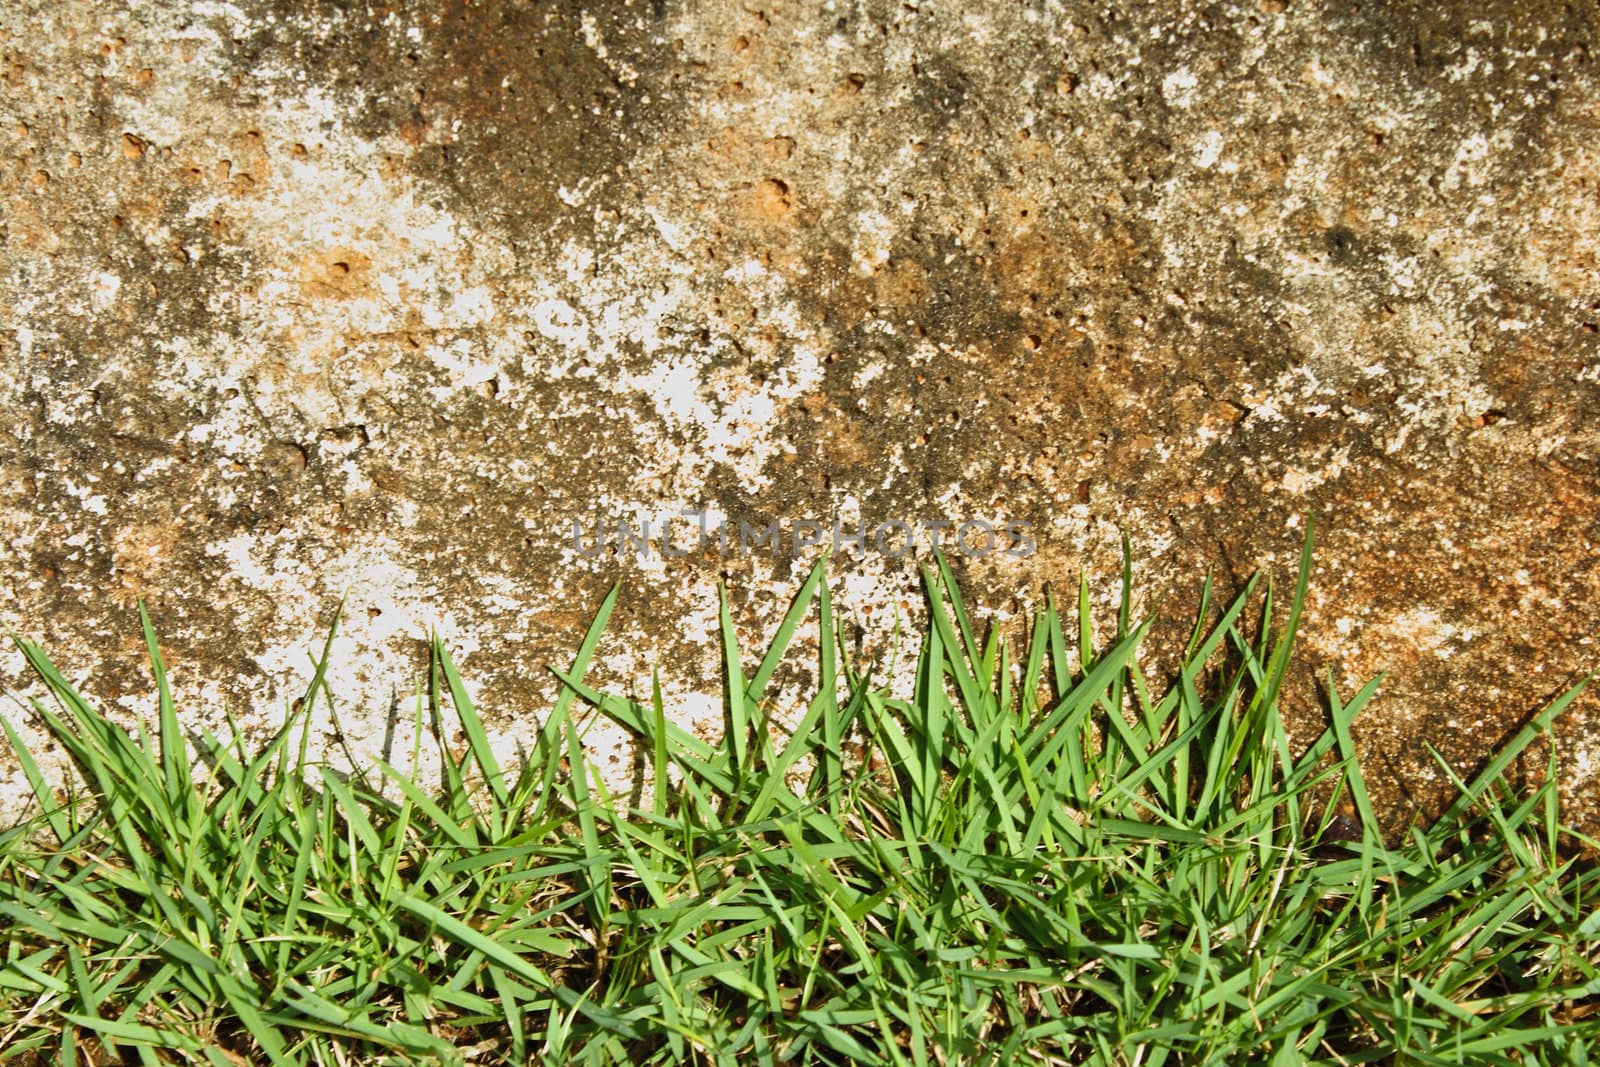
(1042,861)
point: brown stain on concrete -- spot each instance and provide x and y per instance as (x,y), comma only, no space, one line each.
(143,557)
(337,273)
(769,200)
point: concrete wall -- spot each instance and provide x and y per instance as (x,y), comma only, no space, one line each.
(296,302)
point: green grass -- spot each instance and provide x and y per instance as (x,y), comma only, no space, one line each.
(1039,861)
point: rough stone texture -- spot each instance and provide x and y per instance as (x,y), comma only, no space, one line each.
(297,301)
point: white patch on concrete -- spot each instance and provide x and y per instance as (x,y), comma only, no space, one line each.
(103,289)
(874,234)
(472,307)
(559,321)
(1178,87)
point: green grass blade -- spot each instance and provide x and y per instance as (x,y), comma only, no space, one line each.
(174,752)
(472,726)
(736,730)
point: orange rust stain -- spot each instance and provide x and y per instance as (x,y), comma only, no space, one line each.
(838,434)
(143,211)
(768,201)
(724,144)
(902,285)
(842,443)
(336,273)
(249,163)
(141,555)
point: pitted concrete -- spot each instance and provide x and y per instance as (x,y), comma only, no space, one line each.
(300,303)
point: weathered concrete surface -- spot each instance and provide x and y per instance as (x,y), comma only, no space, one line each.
(296,301)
